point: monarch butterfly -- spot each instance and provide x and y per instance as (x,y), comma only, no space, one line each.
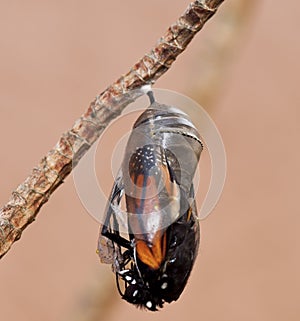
(153,257)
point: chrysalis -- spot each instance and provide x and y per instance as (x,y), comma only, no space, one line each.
(153,259)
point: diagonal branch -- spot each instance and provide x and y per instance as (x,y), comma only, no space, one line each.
(30,196)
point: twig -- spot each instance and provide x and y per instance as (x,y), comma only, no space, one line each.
(30,196)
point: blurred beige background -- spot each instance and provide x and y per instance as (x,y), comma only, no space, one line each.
(55,56)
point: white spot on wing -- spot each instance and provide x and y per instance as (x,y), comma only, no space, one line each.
(149,304)
(128,278)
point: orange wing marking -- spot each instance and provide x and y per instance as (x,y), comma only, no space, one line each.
(152,255)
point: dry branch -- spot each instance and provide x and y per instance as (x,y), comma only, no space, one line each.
(30,196)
